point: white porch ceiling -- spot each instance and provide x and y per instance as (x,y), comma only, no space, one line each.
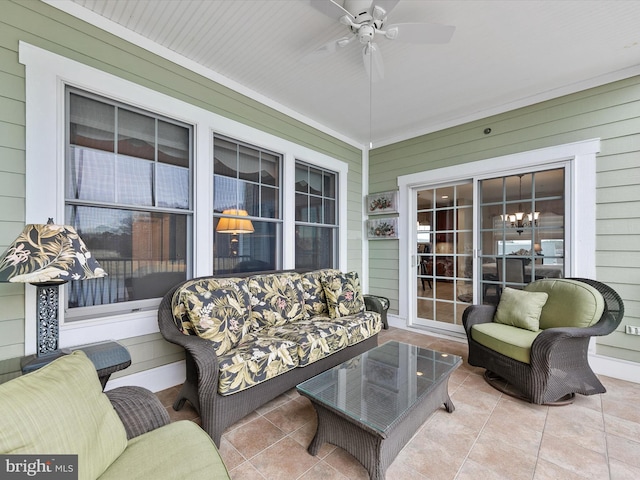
(503,54)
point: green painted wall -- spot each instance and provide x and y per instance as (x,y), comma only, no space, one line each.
(611,113)
(49,28)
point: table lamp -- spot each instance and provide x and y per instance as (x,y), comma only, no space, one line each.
(47,256)
(234,226)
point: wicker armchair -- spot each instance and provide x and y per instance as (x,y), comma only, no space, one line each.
(558,367)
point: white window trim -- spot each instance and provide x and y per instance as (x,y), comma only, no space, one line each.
(580,187)
(47,75)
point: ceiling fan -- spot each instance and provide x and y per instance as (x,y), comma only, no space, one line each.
(366,21)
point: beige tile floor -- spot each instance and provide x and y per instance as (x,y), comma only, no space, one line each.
(488,436)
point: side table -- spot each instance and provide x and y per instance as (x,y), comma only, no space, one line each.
(108,357)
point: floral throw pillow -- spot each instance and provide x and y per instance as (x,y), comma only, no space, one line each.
(276,299)
(344,296)
(218,310)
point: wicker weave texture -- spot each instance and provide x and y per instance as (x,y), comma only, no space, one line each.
(559,363)
(200,388)
(139,409)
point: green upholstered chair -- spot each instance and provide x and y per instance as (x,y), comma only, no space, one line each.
(61,409)
(540,354)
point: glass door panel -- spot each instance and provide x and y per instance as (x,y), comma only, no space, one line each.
(445,254)
(521,230)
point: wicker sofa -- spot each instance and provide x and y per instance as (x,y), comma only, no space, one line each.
(253,336)
(61,410)
(539,345)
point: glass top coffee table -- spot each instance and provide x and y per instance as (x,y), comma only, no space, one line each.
(374,403)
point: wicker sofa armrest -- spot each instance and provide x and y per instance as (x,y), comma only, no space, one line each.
(373,304)
(139,409)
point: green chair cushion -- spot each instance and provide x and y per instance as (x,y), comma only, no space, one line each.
(505,339)
(150,456)
(571,303)
(61,409)
(520,308)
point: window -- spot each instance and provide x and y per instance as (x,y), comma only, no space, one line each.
(316,217)
(128,194)
(247,213)
(160,209)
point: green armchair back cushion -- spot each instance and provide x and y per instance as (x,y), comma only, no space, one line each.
(571,303)
(61,409)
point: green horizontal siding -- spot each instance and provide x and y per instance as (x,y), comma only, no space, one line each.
(609,112)
(46,27)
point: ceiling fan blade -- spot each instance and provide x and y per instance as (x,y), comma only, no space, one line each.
(330,9)
(373,64)
(327,49)
(420,32)
(387,5)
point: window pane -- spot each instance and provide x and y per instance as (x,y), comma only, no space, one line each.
(172,186)
(173,144)
(249,198)
(302,208)
(90,175)
(314,247)
(330,212)
(136,134)
(224,194)
(315,210)
(143,253)
(315,181)
(302,178)
(270,168)
(249,164)
(329,185)
(91,123)
(134,180)
(247,252)
(269,202)
(225,158)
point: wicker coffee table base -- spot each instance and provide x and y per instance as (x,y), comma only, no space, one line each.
(376,450)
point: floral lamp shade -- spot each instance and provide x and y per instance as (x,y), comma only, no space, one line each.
(48,254)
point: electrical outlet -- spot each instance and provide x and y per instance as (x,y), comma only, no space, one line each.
(632,330)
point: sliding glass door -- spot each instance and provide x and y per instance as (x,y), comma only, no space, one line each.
(444,238)
(519,226)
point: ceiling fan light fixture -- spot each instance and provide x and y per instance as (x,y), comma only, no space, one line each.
(391,33)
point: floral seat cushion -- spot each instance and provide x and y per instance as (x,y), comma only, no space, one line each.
(315,338)
(276,299)
(215,309)
(359,327)
(258,358)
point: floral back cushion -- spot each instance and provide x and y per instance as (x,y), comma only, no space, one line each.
(218,309)
(315,301)
(344,296)
(276,299)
